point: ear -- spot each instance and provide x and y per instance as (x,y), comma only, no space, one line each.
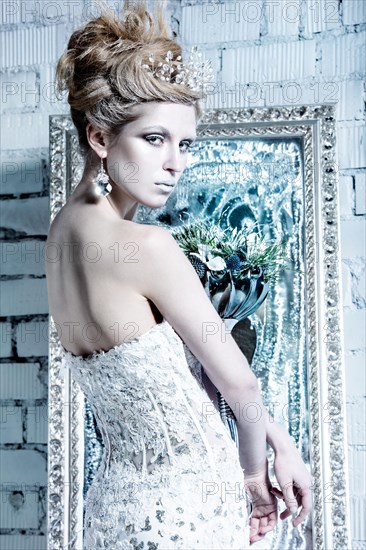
(97,140)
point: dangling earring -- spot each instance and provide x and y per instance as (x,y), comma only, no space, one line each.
(102,184)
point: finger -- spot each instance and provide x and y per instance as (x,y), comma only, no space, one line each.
(305,510)
(285,514)
(254,535)
(271,523)
(254,526)
(262,525)
(256,538)
(290,498)
(277,492)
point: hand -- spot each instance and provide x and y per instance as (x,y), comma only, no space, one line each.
(264,515)
(295,482)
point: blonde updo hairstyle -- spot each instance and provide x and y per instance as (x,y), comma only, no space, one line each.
(101,69)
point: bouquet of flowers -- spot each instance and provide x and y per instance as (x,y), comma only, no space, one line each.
(236,269)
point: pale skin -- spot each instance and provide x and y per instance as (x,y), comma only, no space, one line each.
(111,279)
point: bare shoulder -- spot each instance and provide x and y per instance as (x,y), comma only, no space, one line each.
(165,273)
(161,249)
(158,237)
(170,281)
(149,240)
(151,231)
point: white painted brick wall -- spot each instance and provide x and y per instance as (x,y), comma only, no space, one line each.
(346,197)
(24,130)
(209,23)
(351,97)
(42,12)
(34,45)
(263,53)
(356,422)
(344,55)
(20,86)
(21,381)
(353,233)
(23,542)
(23,297)
(37,424)
(358,524)
(14,472)
(5,342)
(283,18)
(321,16)
(28,216)
(23,514)
(346,285)
(269,64)
(353,12)
(360,188)
(22,172)
(360,290)
(24,257)
(354,329)
(11,424)
(48,102)
(351,157)
(32,339)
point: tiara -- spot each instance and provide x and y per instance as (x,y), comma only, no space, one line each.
(195,73)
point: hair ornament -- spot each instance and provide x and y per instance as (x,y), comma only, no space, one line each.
(195,73)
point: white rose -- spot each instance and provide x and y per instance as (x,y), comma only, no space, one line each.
(216,264)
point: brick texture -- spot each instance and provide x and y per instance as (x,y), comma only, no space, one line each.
(21,381)
(18,511)
(360,189)
(23,542)
(11,425)
(23,297)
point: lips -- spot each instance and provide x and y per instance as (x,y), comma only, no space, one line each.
(167,183)
(166,187)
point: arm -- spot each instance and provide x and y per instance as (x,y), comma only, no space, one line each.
(291,473)
(167,278)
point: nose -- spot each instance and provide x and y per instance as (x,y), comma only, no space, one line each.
(174,160)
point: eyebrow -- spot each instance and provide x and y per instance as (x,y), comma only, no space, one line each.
(164,131)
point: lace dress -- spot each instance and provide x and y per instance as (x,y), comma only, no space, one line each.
(170,476)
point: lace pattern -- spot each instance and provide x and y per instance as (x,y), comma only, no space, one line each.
(170,475)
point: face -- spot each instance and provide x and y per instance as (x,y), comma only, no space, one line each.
(148,157)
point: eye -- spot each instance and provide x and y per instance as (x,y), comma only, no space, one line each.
(187,145)
(151,139)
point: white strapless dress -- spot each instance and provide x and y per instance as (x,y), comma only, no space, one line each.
(170,476)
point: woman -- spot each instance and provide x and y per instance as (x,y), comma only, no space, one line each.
(171,476)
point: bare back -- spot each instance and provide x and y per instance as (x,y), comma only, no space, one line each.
(92,263)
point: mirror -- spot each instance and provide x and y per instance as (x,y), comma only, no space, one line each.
(275,167)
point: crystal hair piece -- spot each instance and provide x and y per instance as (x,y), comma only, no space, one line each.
(195,73)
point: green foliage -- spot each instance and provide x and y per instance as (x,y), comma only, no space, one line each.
(253,249)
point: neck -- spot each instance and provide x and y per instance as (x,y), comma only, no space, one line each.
(124,209)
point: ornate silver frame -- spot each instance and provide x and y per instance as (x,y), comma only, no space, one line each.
(315,126)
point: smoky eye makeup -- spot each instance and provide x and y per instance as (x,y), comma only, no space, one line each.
(154,140)
(188,144)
